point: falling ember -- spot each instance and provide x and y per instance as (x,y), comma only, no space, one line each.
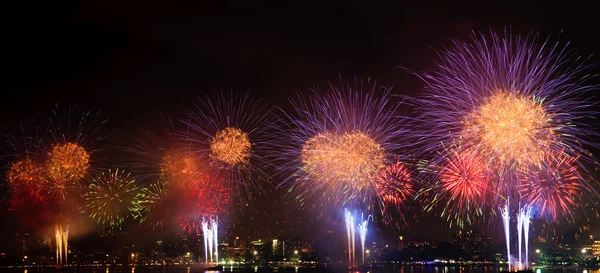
(348,158)
(231,146)
(511,128)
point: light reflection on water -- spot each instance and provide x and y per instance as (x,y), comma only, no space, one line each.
(256,269)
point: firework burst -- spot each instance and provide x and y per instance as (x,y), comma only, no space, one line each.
(162,204)
(179,167)
(150,204)
(31,207)
(394,184)
(67,164)
(25,172)
(51,161)
(510,100)
(109,197)
(231,131)
(462,186)
(555,188)
(336,145)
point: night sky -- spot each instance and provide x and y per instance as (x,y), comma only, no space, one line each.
(136,61)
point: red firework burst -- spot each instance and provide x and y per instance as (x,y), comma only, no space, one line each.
(394,184)
(206,196)
(31,207)
(554,187)
(463,181)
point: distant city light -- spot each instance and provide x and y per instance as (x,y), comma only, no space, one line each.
(584,251)
(296,252)
(537,251)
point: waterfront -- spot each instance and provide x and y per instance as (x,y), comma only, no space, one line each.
(194,269)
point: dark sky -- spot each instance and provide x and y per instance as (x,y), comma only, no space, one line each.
(132,59)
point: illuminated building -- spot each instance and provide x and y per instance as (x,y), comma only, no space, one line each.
(596,248)
(474,245)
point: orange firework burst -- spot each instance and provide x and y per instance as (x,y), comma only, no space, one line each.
(25,172)
(463,182)
(231,146)
(510,128)
(67,165)
(68,161)
(179,167)
(553,188)
(342,160)
(393,184)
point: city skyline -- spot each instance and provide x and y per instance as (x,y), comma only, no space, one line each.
(144,75)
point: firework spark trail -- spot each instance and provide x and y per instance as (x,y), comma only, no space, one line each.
(505,212)
(520,220)
(336,144)
(210,228)
(209,233)
(526,223)
(349,218)
(362,231)
(61,234)
(205,232)
(215,228)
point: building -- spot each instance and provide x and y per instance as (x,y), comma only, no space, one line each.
(596,248)
(473,245)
